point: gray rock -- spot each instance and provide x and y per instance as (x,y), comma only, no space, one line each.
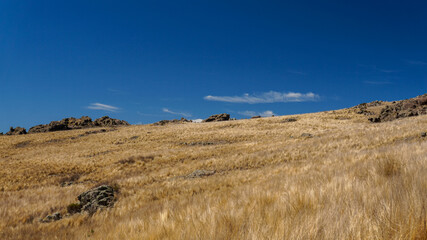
(307,135)
(200,173)
(99,197)
(52,218)
(289,120)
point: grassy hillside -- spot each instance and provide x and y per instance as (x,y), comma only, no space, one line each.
(351,179)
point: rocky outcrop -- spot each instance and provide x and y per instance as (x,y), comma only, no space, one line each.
(218,118)
(109,122)
(402,109)
(16,131)
(164,122)
(77,123)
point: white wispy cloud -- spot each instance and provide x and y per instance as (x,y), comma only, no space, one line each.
(166,110)
(267,113)
(267,97)
(197,120)
(105,107)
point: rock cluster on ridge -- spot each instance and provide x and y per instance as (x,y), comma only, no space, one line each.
(401,109)
(218,118)
(77,123)
(164,122)
(16,131)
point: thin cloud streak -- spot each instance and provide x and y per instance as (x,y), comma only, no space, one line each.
(105,107)
(420,63)
(267,97)
(176,113)
(267,113)
(375,68)
(297,72)
(378,82)
(116,91)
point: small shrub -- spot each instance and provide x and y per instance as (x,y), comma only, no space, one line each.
(389,167)
(134,159)
(65,181)
(74,208)
(127,161)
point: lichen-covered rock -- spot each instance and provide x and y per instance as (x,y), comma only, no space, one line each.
(99,197)
(218,118)
(16,131)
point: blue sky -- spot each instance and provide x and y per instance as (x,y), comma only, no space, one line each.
(143,61)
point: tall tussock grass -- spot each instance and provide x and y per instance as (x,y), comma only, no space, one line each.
(350,180)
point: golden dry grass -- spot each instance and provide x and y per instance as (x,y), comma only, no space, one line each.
(352,180)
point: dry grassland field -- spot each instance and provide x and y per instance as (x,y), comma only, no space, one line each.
(327,175)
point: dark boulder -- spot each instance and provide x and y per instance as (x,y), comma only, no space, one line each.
(254,117)
(218,118)
(96,198)
(16,131)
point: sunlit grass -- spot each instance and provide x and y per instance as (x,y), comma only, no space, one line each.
(351,180)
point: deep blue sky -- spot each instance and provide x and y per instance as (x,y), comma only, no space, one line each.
(152,60)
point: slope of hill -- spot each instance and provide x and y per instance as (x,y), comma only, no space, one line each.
(328,175)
